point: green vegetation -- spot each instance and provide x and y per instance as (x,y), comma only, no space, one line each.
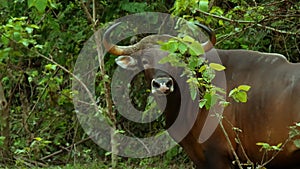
(39,45)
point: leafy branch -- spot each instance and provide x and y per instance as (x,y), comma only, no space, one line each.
(254,23)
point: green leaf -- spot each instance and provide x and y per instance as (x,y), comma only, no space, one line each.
(119,132)
(196,48)
(232,92)
(39,46)
(224,103)
(3,3)
(208,75)
(5,40)
(17,36)
(134,7)
(264,145)
(203,5)
(47,142)
(39,4)
(244,87)
(182,48)
(216,10)
(38,139)
(108,153)
(202,68)
(193,91)
(297,143)
(193,84)
(187,38)
(241,96)
(52,4)
(30,3)
(217,67)
(50,67)
(211,100)
(29,30)
(279,145)
(172,46)
(194,61)
(34,26)
(202,103)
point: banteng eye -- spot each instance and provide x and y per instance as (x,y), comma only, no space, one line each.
(169,83)
(155,84)
(145,62)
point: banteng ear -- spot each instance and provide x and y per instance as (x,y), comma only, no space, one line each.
(126,62)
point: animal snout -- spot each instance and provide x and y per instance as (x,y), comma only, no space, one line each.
(162,85)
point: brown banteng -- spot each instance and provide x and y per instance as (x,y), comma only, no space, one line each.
(273,102)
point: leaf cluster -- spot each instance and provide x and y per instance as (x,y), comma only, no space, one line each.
(239,94)
(294,134)
(185,52)
(265,26)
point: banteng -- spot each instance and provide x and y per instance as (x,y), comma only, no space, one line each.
(273,102)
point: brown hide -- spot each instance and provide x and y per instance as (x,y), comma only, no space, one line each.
(273,105)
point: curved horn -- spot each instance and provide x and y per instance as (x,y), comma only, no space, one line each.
(127,50)
(115,49)
(212,37)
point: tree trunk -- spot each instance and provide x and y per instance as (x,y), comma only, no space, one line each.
(4,126)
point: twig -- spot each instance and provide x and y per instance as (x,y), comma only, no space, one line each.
(240,142)
(278,30)
(230,145)
(276,153)
(237,33)
(31,163)
(73,141)
(43,17)
(65,149)
(226,19)
(249,22)
(86,11)
(285,47)
(139,140)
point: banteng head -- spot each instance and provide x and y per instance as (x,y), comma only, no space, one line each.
(146,54)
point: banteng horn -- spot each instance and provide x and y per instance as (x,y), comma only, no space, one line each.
(149,40)
(212,37)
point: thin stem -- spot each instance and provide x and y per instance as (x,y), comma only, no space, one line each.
(230,145)
(249,22)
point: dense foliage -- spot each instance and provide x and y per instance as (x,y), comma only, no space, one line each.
(39,45)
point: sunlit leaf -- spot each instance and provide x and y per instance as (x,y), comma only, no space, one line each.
(182,48)
(39,4)
(50,67)
(38,138)
(217,67)
(196,48)
(202,103)
(244,87)
(188,39)
(203,5)
(241,96)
